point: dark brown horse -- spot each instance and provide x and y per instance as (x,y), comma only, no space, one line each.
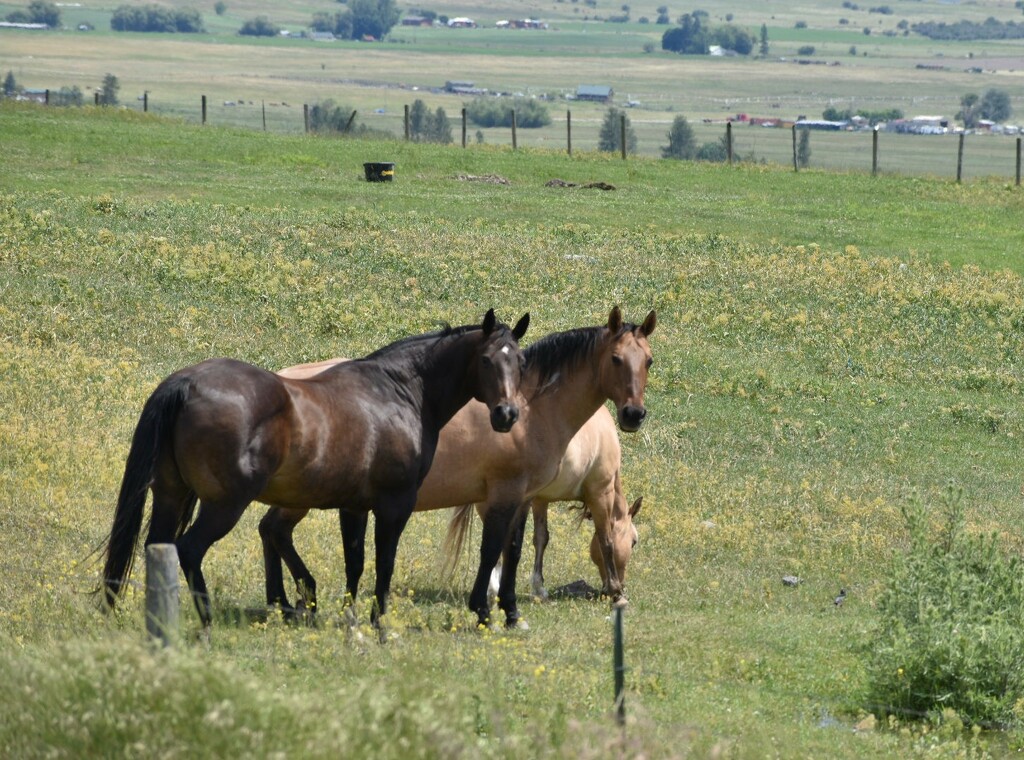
(363,434)
(568,377)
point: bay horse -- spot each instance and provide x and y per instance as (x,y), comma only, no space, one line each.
(363,434)
(567,378)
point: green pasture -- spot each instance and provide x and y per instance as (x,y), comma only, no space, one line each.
(829,345)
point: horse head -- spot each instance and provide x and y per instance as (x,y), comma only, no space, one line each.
(500,370)
(624,366)
(624,540)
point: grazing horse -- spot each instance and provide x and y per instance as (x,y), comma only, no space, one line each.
(225,433)
(568,377)
(591,461)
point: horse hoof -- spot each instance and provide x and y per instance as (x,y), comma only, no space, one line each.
(517,625)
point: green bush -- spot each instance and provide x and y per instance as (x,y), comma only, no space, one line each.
(497,112)
(951,635)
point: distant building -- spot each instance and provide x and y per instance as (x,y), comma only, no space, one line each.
(416,21)
(461,23)
(597,93)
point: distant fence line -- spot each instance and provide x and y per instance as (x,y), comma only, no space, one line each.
(728,139)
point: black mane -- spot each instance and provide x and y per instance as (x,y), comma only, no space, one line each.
(564,350)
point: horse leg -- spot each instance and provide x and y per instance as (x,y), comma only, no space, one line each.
(353,540)
(498,523)
(541,537)
(513,553)
(601,509)
(276,530)
(387,529)
(214,521)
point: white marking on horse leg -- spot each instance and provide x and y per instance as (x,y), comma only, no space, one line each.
(495,584)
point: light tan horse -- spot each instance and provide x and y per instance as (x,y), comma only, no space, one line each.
(591,461)
(567,378)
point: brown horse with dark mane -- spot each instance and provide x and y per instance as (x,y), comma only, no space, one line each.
(224,433)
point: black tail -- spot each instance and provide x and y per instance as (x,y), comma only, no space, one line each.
(158,414)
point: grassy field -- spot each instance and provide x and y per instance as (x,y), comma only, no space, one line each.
(828,346)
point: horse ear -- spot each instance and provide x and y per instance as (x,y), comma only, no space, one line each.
(650,323)
(636,506)
(615,320)
(520,329)
(489,321)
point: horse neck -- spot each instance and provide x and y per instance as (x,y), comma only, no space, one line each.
(443,376)
(571,398)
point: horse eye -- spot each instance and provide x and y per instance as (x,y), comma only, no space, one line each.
(616,360)
(486,361)
(650,361)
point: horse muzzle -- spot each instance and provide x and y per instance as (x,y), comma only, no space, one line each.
(503,417)
(631,417)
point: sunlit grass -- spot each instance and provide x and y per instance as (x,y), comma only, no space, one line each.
(805,384)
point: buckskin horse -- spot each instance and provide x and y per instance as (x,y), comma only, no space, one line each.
(567,378)
(224,433)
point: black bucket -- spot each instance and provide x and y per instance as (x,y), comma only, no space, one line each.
(379,172)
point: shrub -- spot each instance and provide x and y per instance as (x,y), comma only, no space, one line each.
(951,634)
(496,112)
(260,26)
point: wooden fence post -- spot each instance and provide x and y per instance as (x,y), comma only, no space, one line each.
(204,109)
(96,97)
(515,144)
(568,131)
(796,164)
(46,101)
(145,101)
(463,127)
(620,669)
(305,118)
(348,125)
(1018,162)
(874,152)
(407,122)
(263,107)
(960,159)
(728,141)
(622,134)
(162,593)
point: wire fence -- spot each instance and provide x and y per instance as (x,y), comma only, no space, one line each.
(954,155)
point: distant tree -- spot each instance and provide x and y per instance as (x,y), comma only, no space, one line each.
(800,25)
(970,110)
(732,38)
(803,148)
(610,137)
(497,112)
(663,17)
(10,86)
(763,50)
(713,151)
(682,144)
(338,24)
(373,18)
(995,106)
(805,50)
(260,26)
(155,18)
(689,38)
(219,7)
(109,90)
(67,96)
(648,47)
(852,50)
(42,12)
(425,126)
